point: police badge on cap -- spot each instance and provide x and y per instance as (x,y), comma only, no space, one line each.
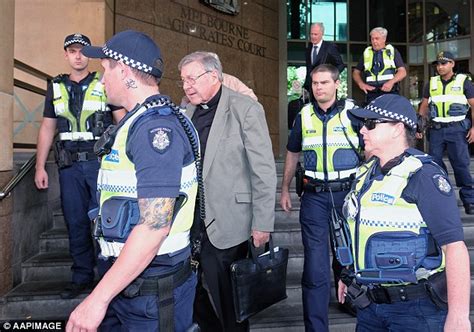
(160,139)
(76,38)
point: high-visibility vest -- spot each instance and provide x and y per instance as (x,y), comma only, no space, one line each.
(117,178)
(328,155)
(386,73)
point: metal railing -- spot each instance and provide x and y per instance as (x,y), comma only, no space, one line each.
(27,166)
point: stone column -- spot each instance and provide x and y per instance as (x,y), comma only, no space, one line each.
(7,20)
(282,86)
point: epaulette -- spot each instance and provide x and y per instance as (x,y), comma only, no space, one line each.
(59,79)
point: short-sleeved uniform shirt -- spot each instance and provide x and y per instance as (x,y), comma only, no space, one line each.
(295,139)
(158,171)
(431,191)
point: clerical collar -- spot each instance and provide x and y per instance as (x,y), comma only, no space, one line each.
(212,104)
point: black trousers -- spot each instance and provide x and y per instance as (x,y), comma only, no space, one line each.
(215,269)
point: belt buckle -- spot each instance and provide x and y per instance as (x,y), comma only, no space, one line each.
(81,156)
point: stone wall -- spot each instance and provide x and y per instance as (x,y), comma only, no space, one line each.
(247,43)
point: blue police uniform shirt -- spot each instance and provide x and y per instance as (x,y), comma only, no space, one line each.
(468,88)
(295,140)
(158,170)
(434,196)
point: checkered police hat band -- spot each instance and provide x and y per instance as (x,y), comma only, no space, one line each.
(76,41)
(392,115)
(128,61)
(442,58)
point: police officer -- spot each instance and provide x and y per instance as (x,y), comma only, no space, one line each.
(75,105)
(446,100)
(147,184)
(381,67)
(327,135)
(406,231)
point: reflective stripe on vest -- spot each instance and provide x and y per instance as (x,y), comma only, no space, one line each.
(117,178)
(324,141)
(389,69)
(383,210)
(94,100)
(453,92)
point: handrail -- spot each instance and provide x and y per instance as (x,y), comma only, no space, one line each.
(29,87)
(30,70)
(26,167)
(18,177)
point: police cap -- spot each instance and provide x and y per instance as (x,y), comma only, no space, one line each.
(389,106)
(76,38)
(133,48)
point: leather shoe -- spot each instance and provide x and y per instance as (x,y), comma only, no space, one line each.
(74,290)
(469,208)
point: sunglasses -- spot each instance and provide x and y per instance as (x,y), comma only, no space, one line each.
(372,123)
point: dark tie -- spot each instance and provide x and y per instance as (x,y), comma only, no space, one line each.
(314,54)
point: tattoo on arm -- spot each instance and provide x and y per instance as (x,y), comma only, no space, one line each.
(156,213)
(130,84)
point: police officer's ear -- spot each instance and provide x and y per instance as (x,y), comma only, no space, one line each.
(399,130)
(124,70)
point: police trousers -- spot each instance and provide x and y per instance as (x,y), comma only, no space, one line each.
(78,184)
(410,316)
(453,139)
(140,313)
(315,214)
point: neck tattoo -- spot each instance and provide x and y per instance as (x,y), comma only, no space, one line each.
(130,84)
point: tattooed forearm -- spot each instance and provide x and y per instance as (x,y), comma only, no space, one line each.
(156,213)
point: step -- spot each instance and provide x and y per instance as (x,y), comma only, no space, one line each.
(56,239)
(38,300)
(58,219)
(48,266)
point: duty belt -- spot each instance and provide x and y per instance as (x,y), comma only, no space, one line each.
(83,156)
(318,186)
(393,294)
(439,125)
(151,286)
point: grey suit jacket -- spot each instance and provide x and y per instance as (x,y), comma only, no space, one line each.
(239,171)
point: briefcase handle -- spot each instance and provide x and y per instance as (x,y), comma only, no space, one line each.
(268,247)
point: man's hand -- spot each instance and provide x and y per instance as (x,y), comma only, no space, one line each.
(470,135)
(341,291)
(87,316)
(387,86)
(285,201)
(366,88)
(41,179)
(260,238)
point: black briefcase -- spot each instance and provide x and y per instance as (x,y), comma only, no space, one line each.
(258,281)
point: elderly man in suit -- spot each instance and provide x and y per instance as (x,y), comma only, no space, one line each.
(239,180)
(320,52)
